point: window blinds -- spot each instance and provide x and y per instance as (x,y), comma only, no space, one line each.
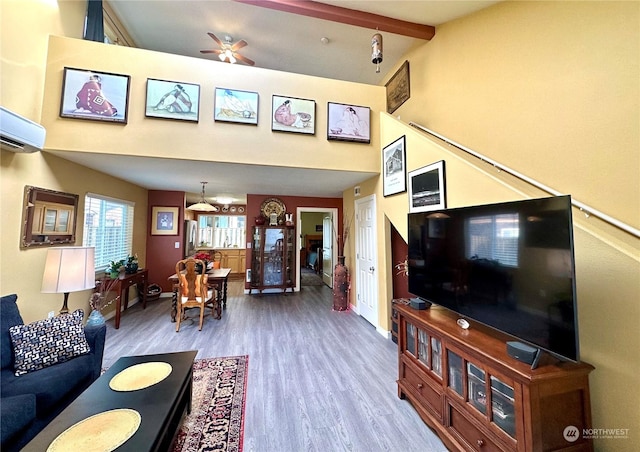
(108,226)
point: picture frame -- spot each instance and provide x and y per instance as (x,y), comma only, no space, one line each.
(232,105)
(172,100)
(427,190)
(348,123)
(291,114)
(164,220)
(394,162)
(49,217)
(398,88)
(101,96)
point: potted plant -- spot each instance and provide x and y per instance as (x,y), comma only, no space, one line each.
(114,268)
(131,264)
(204,257)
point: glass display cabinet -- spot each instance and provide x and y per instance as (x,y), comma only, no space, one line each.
(272,258)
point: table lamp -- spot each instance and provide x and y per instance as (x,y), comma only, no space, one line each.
(69,269)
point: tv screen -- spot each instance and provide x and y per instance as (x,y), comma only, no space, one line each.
(509,266)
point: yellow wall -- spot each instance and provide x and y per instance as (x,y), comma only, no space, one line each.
(207,140)
(26,25)
(550,89)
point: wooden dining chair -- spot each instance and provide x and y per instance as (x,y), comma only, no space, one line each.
(217,259)
(193,291)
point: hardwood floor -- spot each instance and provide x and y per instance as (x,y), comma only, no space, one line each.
(319,380)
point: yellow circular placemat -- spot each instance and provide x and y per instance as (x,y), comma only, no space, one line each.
(140,376)
(102,432)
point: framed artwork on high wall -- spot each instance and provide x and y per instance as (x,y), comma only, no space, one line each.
(398,88)
(98,96)
(172,100)
(348,123)
(232,105)
(394,161)
(164,220)
(427,189)
(290,114)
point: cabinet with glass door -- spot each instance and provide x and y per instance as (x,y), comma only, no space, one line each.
(475,396)
(272,258)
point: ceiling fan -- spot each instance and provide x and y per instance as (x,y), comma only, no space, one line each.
(228,50)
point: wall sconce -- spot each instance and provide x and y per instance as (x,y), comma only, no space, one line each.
(376,51)
(69,269)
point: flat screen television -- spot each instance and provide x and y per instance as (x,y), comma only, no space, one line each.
(509,266)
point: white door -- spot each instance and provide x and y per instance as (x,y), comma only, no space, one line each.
(366,259)
(327,250)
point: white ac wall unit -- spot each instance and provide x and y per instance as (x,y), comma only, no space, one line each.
(20,134)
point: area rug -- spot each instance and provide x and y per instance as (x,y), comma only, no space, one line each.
(310,278)
(216,421)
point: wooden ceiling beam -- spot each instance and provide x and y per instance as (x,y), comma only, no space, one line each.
(347,16)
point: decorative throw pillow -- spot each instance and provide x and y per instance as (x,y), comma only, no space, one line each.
(46,342)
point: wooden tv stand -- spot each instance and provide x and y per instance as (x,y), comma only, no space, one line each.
(475,396)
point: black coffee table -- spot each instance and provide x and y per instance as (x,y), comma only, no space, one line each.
(161,406)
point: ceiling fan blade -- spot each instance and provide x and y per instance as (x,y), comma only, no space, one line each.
(215,38)
(238,45)
(216,51)
(244,59)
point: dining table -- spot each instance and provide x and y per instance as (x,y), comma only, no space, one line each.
(217,279)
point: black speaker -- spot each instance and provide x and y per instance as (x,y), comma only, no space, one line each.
(523,352)
(417,303)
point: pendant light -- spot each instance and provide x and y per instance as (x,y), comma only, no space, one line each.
(376,51)
(203,205)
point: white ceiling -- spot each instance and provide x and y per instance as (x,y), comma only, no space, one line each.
(276,40)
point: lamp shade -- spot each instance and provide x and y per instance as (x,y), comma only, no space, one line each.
(69,269)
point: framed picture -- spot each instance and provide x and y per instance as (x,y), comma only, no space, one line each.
(398,88)
(231,105)
(99,96)
(172,100)
(394,161)
(289,114)
(48,217)
(164,221)
(348,123)
(427,188)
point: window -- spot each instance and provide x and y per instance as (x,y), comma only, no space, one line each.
(108,226)
(221,231)
(493,237)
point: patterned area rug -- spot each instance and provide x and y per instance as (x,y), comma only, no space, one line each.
(216,421)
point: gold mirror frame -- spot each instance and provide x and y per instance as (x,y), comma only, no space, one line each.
(48,217)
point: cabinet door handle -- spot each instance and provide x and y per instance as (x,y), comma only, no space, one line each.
(420,385)
(480,443)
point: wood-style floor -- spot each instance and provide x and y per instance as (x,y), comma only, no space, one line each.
(319,380)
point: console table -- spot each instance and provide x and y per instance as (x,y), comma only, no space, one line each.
(122,285)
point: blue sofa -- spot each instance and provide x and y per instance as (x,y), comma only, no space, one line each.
(30,401)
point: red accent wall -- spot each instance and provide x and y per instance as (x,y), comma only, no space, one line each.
(399,251)
(162,254)
(292,203)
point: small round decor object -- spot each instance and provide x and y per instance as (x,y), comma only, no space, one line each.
(273,205)
(102,432)
(462,323)
(140,376)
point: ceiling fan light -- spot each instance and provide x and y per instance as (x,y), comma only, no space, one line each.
(232,59)
(222,56)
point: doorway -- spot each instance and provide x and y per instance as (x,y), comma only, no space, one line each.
(367,258)
(316,229)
